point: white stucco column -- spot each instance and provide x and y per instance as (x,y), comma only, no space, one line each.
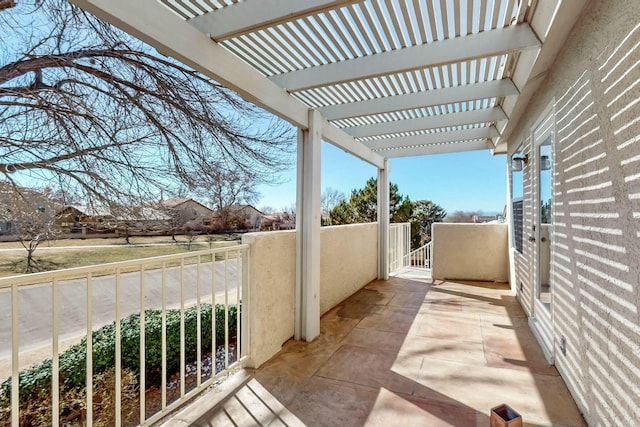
(383,221)
(307,311)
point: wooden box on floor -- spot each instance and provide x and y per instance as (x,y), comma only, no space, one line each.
(504,416)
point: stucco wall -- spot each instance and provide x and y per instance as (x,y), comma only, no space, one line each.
(595,240)
(348,262)
(272,283)
(470,252)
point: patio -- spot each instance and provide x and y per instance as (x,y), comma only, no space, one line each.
(407,351)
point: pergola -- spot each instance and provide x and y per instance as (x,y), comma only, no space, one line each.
(378,78)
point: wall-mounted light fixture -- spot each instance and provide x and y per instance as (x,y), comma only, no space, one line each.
(518,161)
(545,163)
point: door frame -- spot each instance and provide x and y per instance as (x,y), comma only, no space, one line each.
(542,319)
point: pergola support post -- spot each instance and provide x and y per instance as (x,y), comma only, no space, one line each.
(383,221)
(307,310)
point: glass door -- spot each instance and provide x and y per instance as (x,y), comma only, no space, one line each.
(545,214)
(542,234)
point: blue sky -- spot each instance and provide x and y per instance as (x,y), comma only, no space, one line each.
(468,181)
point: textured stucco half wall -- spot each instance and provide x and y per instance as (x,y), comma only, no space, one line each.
(593,89)
(272,286)
(470,252)
(348,262)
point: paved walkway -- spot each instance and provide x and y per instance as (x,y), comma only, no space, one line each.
(405,352)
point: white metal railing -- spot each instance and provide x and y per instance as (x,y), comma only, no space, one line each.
(49,312)
(419,258)
(399,244)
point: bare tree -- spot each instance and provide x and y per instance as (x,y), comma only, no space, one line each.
(227,187)
(102,115)
(329,199)
(32,215)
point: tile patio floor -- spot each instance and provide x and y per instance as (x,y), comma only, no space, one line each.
(406,352)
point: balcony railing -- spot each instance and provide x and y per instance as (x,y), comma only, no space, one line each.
(399,244)
(174,302)
(419,258)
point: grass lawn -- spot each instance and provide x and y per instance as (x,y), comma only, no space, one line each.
(79,253)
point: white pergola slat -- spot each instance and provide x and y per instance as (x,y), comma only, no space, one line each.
(490,43)
(433,138)
(247,17)
(444,148)
(430,122)
(499,88)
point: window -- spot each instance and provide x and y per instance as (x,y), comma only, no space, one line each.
(518,159)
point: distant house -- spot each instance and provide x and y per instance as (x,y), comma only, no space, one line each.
(186,212)
(278,221)
(20,205)
(488,218)
(238,217)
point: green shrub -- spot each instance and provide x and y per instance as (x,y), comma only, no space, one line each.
(72,362)
(37,411)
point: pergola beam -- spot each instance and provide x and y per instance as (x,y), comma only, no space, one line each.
(433,138)
(484,44)
(452,147)
(494,88)
(430,122)
(341,139)
(253,15)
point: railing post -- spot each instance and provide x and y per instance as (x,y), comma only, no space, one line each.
(89,350)
(244,306)
(15,354)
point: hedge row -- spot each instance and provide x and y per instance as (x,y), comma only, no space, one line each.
(72,362)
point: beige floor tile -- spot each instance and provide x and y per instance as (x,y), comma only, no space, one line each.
(324,402)
(390,319)
(509,343)
(407,299)
(507,310)
(399,285)
(372,367)
(447,305)
(371,296)
(379,340)
(442,291)
(539,398)
(391,409)
(287,372)
(334,327)
(448,326)
(434,348)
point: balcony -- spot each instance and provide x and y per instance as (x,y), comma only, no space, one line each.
(410,350)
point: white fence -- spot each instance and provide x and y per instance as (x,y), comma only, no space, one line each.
(399,244)
(419,258)
(48,315)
